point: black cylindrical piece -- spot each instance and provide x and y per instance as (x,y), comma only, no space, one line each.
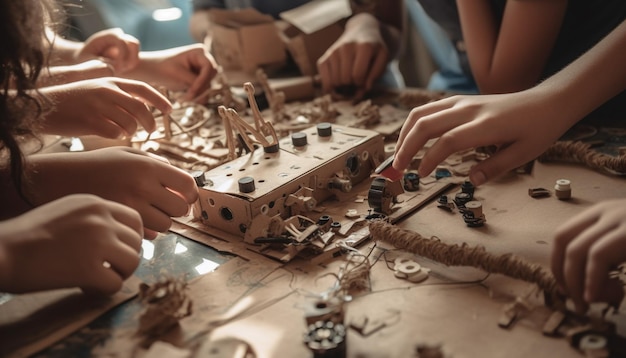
(298,139)
(324,129)
(198,176)
(246,185)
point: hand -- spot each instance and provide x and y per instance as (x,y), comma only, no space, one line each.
(128,176)
(77,241)
(56,75)
(112,46)
(110,107)
(356,59)
(586,249)
(190,68)
(522,125)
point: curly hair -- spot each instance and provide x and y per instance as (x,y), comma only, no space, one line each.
(22,58)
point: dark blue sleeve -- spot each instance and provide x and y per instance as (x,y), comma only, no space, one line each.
(207,4)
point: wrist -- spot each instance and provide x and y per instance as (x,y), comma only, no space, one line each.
(558,104)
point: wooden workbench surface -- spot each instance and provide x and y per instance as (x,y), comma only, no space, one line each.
(454,308)
(457,308)
(462,318)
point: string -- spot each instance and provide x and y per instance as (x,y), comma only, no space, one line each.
(581,153)
(464,255)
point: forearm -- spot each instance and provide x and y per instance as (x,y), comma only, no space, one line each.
(509,54)
(480,34)
(63,51)
(592,79)
(56,75)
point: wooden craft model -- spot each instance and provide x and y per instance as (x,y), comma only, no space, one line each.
(269,195)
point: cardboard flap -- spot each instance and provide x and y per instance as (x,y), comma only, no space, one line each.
(238,18)
(317,14)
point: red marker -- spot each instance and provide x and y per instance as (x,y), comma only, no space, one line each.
(387,170)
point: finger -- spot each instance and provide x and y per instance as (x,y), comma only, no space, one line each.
(335,69)
(106,128)
(137,111)
(154,219)
(186,77)
(180,182)
(150,234)
(122,117)
(499,163)
(612,293)
(122,50)
(576,263)
(122,259)
(419,112)
(359,94)
(378,67)
(104,281)
(455,137)
(132,49)
(345,61)
(157,157)
(171,203)
(363,58)
(604,255)
(203,80)
(131,220)
(426,126)
(565,234)
(147,93)
(323,67)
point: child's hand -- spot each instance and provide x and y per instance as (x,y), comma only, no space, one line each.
(77,241)
(522,125)
(189,68)
(586,249)
(157,190)
(356,59)
(109,107)
(112,46)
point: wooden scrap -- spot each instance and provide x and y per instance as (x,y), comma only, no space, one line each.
(165,303)
(550,328)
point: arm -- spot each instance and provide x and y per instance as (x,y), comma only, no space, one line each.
(110,107)
(119,50)
(510,57)
(157,190)
(57,75)
(77,241)
(190,68)
(524,123)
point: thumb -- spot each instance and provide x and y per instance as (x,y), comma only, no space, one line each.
(499,163)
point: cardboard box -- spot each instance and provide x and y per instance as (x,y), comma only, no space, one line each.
(307,49)
(245,40)
(311,29)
